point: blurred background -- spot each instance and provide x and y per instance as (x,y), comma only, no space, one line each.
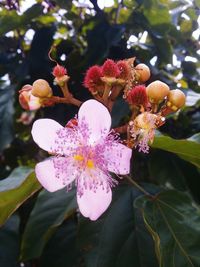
(163,34)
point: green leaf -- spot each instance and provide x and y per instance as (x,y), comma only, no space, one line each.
(187,149)
(49,212)
(172,217)
(14,190)
(165,169)
(9,20)
(6,116)
(118,238)
(171,171)
(61,250)
(10,240)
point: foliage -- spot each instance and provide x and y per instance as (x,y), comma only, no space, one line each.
(158,226)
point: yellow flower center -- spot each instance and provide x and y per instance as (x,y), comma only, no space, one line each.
(89,162)
(78,157)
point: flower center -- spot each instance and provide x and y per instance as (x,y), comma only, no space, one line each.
(85,162)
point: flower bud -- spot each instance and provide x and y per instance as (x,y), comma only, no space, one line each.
(157,91)
(23,100)
(61,80)
(27,100)
(142,72)
(110,69)
(41,89)
(92,79)
(59,71)
(137,96)
(175,99)
(124,69)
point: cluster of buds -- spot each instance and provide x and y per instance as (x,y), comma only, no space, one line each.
(149,105)
(106,82)
(40,94)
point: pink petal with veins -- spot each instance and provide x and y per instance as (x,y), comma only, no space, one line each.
(55,173)
(118,158)
(44,133)
(94,201)
(98,118)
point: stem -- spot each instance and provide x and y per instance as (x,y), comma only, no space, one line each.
(121,129)
(64,100)
(65,90)
(138,187)
(75,102)
(106,92)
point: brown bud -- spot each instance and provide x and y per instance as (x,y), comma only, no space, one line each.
(157,91)
(176,99)
(41,89)
(142,72)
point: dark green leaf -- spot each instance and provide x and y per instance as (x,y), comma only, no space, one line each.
(9,245)
(119,237)
(174,222)
(61,250)
(49,212)
(187,149)
(15,189)
(6,116)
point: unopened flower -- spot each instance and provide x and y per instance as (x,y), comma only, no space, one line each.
(110,69)
(27,100)
(175,99)
(124,69)
(59,71)
(142,72)
(157,91)
(60,74)
(142,129)
(92,79)
(137,96)
(41,89)
(85,154)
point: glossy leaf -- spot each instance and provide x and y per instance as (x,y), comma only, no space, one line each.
(10,243)
(49,212)
(6,116)
(187,149)
(174,222)
(119,237)
(14,190)
(61,250)
(171,171)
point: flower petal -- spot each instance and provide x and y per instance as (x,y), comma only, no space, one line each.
(44,133)
(93,202)
(54,138)
(118,158)
(55,173)
(97,117)
(34,102)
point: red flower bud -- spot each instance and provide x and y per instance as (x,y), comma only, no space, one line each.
(110,69)
(59,71)
(92,78)
(124,70)
(137,96)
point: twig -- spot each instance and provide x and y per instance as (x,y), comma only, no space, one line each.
(139,187)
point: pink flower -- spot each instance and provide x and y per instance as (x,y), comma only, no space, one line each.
(27,100)
(85,153)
